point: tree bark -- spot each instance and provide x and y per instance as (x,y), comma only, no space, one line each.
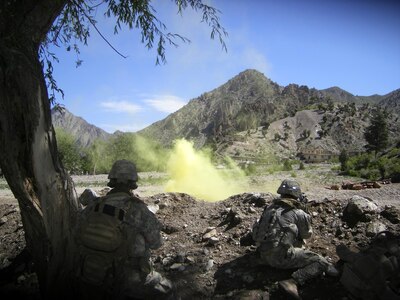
(28,151)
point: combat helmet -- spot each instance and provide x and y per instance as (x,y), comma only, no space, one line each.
(290,188)
(122,171)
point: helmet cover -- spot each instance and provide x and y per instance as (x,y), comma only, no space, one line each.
(123,171)
(290,187)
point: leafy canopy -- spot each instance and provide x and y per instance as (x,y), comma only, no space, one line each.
(376,134)
(73,27)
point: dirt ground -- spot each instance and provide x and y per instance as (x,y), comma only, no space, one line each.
(207,252)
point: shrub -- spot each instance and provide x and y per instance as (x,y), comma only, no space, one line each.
(287,166)
(370,174)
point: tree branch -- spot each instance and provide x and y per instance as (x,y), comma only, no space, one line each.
(98,31)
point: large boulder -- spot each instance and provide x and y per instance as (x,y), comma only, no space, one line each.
(359,209)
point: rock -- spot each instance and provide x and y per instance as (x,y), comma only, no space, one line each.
(167,261)
(232,218)
(87,196)
(180,257)
(163,205)
(358,187)
(335,187)
(209,265)
(21,279)
(209,234)
(190,260)
(3,220)
(376,185)
(359,209)
(375,227)
(257,199)
(168,229)
(392,214)
(153,208)
(213,240)
(252,295)
(177,267)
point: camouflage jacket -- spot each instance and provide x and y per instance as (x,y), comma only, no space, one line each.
(141,227)
(283,223)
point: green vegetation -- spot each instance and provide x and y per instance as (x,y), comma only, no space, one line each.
(370,167)
(343,158)
(287,166)
(98,158)
(377,135)
(71,155)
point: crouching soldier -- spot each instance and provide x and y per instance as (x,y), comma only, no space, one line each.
(373,273)
(114,236)
(279,235)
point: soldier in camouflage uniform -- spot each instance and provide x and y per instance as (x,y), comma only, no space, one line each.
(115,235)
(280,235)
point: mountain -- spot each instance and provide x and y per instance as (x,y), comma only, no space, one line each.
(251,116)
(84,132)
(251,108)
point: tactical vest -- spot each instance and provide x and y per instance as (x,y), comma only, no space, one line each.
(271,232)
(102,242)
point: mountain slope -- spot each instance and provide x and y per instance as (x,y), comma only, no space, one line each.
(84,132)
(250,102)
(250,115)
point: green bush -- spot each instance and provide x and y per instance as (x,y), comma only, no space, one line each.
(287,166)
(250,169)
(371,168)
(370,174)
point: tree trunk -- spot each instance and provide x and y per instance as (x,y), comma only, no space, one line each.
(28,153)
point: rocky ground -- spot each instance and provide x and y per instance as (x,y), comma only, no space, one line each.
(207,251)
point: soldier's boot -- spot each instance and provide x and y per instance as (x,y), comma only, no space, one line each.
(289,286)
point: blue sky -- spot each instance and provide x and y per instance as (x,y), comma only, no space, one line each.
(352,44)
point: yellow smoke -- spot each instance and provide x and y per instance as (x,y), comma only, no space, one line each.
(192,172)
(152,155)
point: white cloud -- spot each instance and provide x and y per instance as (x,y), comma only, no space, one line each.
(165,103)
(121,107)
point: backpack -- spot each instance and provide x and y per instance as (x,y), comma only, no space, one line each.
(101,243)
(269,228)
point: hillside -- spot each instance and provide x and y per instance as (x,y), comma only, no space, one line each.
(84,132)
(254,114)
(251,116)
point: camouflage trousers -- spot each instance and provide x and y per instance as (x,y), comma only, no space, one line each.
(308,263)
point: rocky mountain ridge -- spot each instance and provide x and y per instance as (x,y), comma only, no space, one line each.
(250,115)
(251,107)
(84,132)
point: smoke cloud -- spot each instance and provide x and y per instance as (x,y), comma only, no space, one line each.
(193,172)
